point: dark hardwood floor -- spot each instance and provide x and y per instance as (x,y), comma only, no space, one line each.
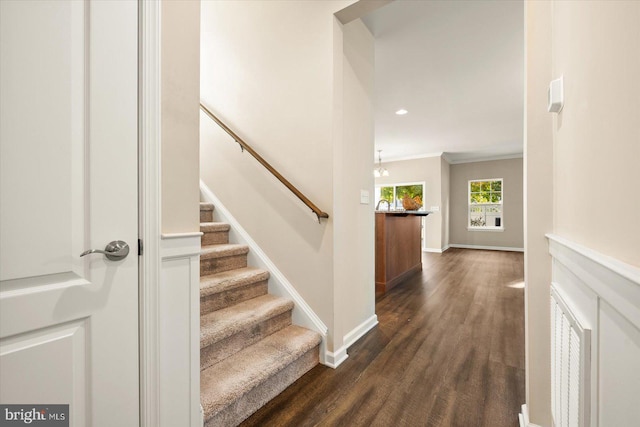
(448,351)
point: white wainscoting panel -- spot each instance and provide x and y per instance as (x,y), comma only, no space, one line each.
(603,294)
(179,330)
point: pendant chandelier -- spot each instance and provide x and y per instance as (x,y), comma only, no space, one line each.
(380,171)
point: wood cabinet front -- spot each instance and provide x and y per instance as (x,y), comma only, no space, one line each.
(398,252)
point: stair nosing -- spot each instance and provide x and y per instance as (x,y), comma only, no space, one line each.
(285,358)
(213,226)
(223,250)
(243,319)
(231,279)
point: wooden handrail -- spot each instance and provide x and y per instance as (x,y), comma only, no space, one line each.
(263,162)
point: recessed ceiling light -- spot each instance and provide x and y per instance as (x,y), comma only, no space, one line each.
(401,112)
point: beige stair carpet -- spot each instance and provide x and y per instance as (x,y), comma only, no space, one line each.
(249,350)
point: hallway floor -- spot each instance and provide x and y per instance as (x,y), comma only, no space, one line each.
(448,351)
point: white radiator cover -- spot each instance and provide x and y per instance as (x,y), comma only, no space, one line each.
(570,365)
(601,294)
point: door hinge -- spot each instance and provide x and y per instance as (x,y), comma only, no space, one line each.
(139,247)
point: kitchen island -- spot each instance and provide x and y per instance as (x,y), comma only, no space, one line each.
(398,248)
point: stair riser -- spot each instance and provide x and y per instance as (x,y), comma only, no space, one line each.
(241,409)
(214,238)
(228,298)
(218,265)
(229,346)
(206,216)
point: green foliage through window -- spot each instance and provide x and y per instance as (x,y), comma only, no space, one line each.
(415,191)
(485,191)
(386,193)
(485,203)
(411,190)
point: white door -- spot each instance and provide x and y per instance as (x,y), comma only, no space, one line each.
(68,182)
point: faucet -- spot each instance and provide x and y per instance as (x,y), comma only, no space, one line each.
(388,205)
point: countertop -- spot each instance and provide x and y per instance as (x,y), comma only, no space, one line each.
(405,213)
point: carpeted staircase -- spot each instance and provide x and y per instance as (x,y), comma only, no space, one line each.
(249,350)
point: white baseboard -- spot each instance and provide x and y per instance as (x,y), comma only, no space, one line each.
(303,314)
(335,359)
(435,250)
(487,248)
(359,331)
(432,250)
(523,418)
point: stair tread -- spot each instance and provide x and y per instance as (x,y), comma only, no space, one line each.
(220,324)
(223,250)
(214,226)
(226,280)
(206,206)
(230,379)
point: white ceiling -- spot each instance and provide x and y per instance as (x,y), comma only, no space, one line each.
(458,68)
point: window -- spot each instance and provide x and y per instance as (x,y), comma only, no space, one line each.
(394,194)
(485,204)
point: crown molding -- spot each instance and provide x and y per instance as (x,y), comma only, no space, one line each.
(484,158)
(451,160)
(414,157)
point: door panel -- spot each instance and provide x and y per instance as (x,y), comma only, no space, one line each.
(68,182)
(63,347)
(43,97)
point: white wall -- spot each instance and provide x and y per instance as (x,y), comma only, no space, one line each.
(590,148)
(445,202)
(269,71)
(510,171)
(429,170)
(353,243)
(596,47)
(178,289)
(180,76)
(538,171)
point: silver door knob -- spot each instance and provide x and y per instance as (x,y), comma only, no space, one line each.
(114,251)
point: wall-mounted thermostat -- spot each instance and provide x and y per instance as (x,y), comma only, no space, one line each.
(556,96)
